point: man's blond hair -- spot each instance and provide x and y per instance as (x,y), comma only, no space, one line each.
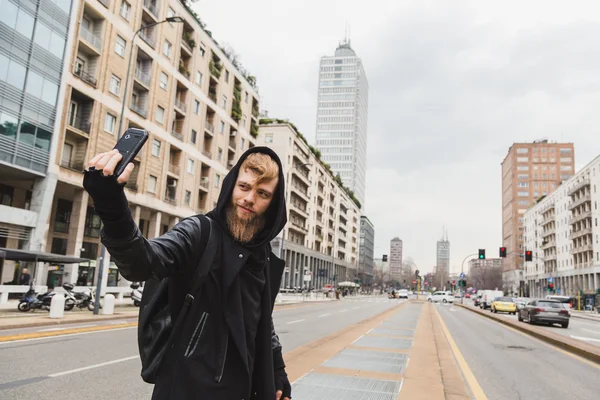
(262,165)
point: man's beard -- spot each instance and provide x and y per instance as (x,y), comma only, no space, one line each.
(243,230)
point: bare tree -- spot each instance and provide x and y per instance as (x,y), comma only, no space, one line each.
(486,277)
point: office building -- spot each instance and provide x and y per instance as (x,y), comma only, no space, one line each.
(562,232)
(529,171)
(200,110)
(443,258)
(322,232)
(366,250)
(395,259)
(342,117)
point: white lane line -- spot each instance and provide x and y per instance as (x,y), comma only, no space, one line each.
(67,335)
(72,371)
(589,330)
(343,310)
(295,322)
(324,315)
(63,328)
(356,308)
(585,339)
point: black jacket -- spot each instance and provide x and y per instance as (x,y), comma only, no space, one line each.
(209,360)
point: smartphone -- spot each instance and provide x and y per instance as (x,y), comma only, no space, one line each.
(129,146)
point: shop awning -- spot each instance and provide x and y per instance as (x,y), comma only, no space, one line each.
(38,256)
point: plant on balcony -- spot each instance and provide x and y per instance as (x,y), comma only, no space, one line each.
(188,38)
(236,109)
(215,68)
(212,93)
(254,131)
(183,69)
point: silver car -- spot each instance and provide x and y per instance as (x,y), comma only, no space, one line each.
(545,311)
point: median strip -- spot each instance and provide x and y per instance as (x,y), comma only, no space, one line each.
(584,350)
(38,335)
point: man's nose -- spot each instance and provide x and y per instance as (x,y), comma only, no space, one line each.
(249,198)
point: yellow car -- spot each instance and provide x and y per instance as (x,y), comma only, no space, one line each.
(504,304)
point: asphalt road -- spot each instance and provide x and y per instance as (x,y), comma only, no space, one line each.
(511,365)
(105,364)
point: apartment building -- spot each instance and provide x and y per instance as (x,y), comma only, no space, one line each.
(200,110)
(365,251)
(322,233)
(34,36)
(396,259)
(562,232)
(529,171)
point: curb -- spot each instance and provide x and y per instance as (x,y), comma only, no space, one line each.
(585,317)
(60,322)
(589,352)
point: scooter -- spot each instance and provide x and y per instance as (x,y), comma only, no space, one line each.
(33,301)
(80,300)
(136,294)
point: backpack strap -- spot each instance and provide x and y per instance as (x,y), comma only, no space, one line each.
(203,269)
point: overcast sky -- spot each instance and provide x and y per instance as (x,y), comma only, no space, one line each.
(452,85)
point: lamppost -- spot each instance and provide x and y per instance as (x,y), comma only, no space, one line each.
(100,262)
(286,202)
(169,19)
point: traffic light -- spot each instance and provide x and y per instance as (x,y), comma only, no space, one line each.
(528,255)
(502,252)
(384,258)
(482,254)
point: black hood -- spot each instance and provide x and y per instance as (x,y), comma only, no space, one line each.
(276,214)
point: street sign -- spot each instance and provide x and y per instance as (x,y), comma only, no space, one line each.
(454,282)
(307,278)
(558,291)
(462,275)
(550,279)
(414,282)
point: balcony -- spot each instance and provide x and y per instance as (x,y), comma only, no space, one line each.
(587,197)
(581,232)
(301,209)
(84,76)
(548,219)
(79,123)
(548,244)
(177,134)
(74,164)
(139,109)
(298,189)
(209,127)
(299,227)
(105,3)
(582,249)
(215,68)
(173,169)
(142,76)
(204,183)
(94,40)
(181,105)
(581,216)
(585,182)
(548,232)
(148,37)
(152,6)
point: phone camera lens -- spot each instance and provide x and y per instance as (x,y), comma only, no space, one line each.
(127,136)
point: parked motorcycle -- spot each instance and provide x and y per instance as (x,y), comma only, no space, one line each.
(34,301)
(80,300)
(136,294)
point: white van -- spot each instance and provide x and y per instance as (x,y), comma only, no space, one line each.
(487,296)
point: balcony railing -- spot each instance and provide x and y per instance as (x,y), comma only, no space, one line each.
(207,153)
(581,232)
(582,199)
(174,169)
(171,200)
(204,182)
(91,38)
(148,38)
(177,134)
(73,164)
(79,123)
(583,183)
(209,127)
(180,104)
(84,76)
(139,109)
(152,6)
(142,76)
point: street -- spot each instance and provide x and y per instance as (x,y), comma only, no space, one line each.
(102,365)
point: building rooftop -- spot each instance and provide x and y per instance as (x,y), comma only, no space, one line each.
(344,49)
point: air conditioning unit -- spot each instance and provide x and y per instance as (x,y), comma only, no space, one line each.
(233,133)
(173,184)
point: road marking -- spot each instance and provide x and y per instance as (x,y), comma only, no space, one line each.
(476,390)
(324,315)
(64,328)
(585,339)
(343,310)
(295,322)
(72,371)
(50,335)
(589,330)
(356,308)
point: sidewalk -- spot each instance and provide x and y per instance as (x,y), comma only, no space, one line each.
(402,354)
(589,315)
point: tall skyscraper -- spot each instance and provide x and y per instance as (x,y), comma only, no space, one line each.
(366,250)
(529,171)
(395,260)
(443,257)
(342,117)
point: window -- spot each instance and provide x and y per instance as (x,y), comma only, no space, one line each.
(6,195)
(269,138)
(226,76)
(164,81)
(523,194)
(156,148)
(93,223)
(565,167)
(115,85)
(523,168)
(217,180)
(196,107)
(523,184)
(522,151)
(160,114)
(63,216)
(246,97)
(565,151)
(167,48)
(152,184)
(522,159)
(198,78)
(120,46)
(125,10)
(243,120)
(523,176)
(565,159)
(242,143)
(190,166)
(220,154)
(202,50)
(109,123)
(193,136)
(187,198)
(222,129)
(224,101)
(170,14)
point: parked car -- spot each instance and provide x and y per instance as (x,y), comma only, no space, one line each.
(522,302)
(487,296)
(546,311)
(441,297)
(504,304)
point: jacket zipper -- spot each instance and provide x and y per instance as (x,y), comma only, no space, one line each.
(196,336)
(218,378)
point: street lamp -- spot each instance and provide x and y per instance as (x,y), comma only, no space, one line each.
(286,201)
(100,262)
(169,19)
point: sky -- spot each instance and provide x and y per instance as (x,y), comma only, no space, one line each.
(452,84)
